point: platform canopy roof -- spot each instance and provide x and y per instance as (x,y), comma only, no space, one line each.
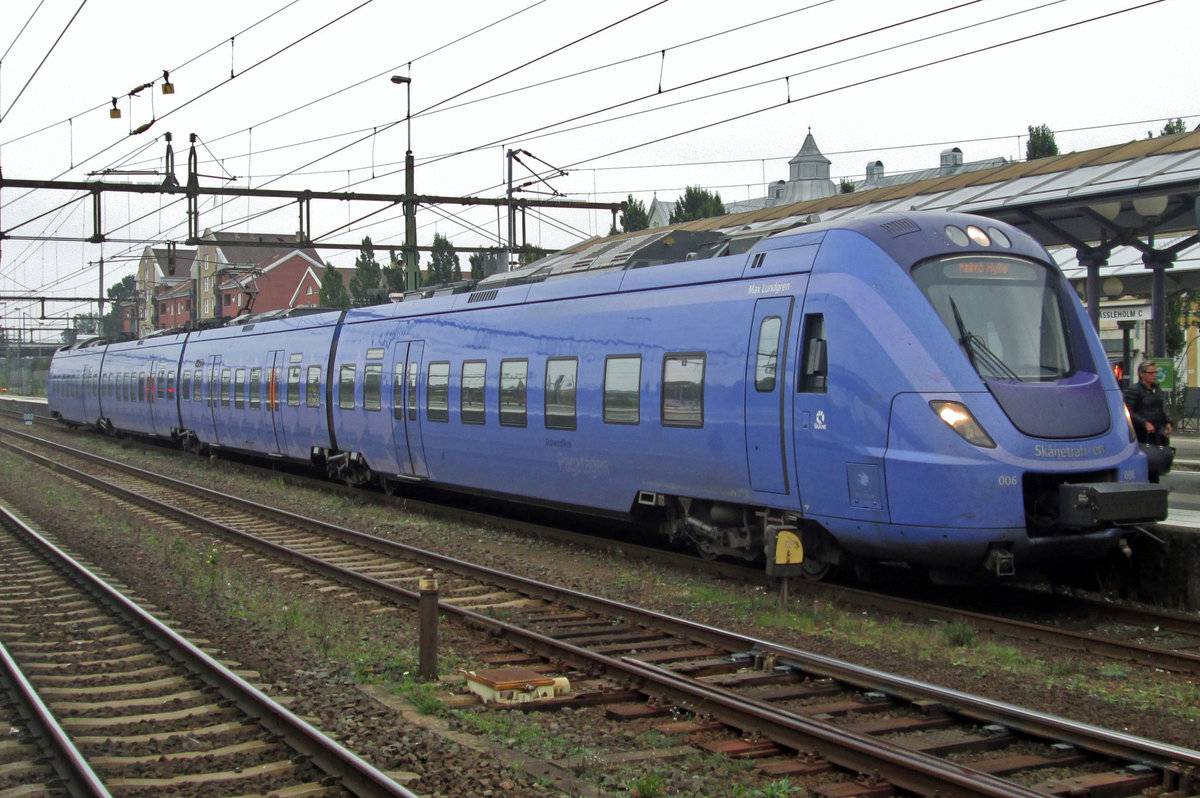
(1124,205)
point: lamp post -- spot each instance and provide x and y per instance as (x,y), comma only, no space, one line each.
(412,273)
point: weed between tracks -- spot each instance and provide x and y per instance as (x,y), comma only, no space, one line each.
(375,648)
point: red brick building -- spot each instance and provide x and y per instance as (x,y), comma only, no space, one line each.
(244,273)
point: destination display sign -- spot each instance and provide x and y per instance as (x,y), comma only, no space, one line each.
(974,267)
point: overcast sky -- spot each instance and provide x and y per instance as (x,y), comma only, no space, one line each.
(627,96)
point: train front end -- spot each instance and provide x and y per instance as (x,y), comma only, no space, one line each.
(1017,449)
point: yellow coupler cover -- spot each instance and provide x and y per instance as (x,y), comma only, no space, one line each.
(515,685)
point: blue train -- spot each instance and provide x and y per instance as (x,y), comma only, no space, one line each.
(916,388)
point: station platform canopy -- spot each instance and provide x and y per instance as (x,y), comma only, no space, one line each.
(1140,196)
(1128,211)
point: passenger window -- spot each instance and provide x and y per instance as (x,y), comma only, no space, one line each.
(683,390)
(560,392)
(438,392)
(346,377)
(312,393)
(239,389)
(254,390)
(293,391)
(514,392)
(474,376)
(185,385)
(198,386)
(373,386)
(398,391)
(814,359)
(226,378)
(622,389)
(766,364)
(162,384)
(171,384)
(414,372)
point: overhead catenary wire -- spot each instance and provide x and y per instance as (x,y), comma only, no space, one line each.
(42,63)
(16,38)
(594,159)
(458,39)
(498,95)
(866,81)
(253,66)
(549,129)
(185,64)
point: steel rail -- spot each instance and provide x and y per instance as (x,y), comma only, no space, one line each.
(828,739)
(352,772)
(1155,656)
(1178,661)
(78,777)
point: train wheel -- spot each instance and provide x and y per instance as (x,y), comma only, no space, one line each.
(816,570)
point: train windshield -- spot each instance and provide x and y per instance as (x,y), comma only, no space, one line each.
(1004,312)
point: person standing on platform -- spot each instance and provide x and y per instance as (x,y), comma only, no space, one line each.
(1147,405)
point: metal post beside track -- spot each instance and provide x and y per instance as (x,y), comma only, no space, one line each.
(427,617)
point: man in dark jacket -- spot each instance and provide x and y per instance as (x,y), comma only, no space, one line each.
(1148,410)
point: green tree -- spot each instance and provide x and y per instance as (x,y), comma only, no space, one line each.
(846,186)
(367,277)
(528,254)
(333,290)
(123,296)
(697,203)
(478,265)
(393,274)
(1041,143)
(443,262)
(125,290)
(634,217)
(1172,127)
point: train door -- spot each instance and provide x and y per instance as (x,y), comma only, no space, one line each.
(87,399)
(406,425)
(275,367)
(766,452)
(212,394)
(838,473)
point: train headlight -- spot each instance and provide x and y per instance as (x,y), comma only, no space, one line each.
(961,421)
(1129,419)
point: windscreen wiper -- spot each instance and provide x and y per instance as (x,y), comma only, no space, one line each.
(977,351)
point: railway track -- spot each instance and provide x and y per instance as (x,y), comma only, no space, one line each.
(37,756)
(134,709)
(1150,637)
(862,731)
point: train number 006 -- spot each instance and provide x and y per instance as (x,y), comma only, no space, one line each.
(1007,481)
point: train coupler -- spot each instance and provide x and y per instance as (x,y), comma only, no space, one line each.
(1117,503)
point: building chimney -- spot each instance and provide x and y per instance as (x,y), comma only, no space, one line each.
(874,172)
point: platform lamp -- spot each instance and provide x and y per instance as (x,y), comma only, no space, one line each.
(412,270)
